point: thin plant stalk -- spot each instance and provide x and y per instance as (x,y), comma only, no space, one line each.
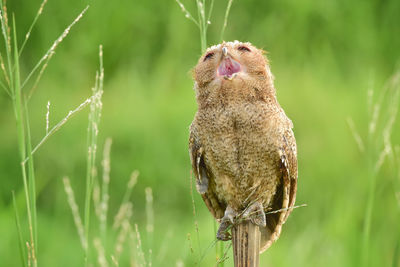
(121,238)
(58,126)
(202,24)
(104,191)
(376,113)
(90,172)
(219,246)
(187,13)
(101,258)
(6,78)
(149,215)
(44,61)
(48,55)
(196,224)
(125,206)
(18,224)
(209,13)
(28,34)
(31,175)
(5,31)
(370,201)
(203,19)
(222,254)
(228,9)
(94,119)
(215,234)
(75,211)
(13,87)
(5,89)
(139,246)
(19,117)
(131,183)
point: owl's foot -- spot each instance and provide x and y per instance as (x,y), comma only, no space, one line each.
(255,213)
(226,222)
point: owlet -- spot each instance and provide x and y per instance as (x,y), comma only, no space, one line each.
(242,146)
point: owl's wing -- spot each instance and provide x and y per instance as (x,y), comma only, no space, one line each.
(289,168)
(286,193)
(205,183)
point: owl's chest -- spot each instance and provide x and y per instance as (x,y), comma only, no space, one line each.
(239,140)
(239,122)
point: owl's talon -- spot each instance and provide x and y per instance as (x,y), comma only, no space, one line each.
(226,221)
(223,231)
(255,212)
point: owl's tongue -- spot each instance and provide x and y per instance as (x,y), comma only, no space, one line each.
(228,67)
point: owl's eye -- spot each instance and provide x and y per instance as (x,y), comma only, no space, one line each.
(244,48)
(208,56)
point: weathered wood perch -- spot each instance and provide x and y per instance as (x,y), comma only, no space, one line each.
(246,244)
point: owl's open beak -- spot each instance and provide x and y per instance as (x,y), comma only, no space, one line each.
(224,51)
(228,67)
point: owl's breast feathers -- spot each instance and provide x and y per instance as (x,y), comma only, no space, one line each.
(246,152)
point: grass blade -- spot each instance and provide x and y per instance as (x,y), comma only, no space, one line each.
(57,127)
(94,119)
(47,56)
(28,34)
(228,9)
(104,190)
(200,6)
(21,242)
(187,13)
(31,178)
(29,194)
(149,218)
(125,204)
(196,224)
(384,112)
(6,89)
(210,12)
(75,211)
(3,68)
(6,35)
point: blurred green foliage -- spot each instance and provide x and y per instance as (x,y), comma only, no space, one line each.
(324,55)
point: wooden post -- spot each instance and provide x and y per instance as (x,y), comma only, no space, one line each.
(246,244)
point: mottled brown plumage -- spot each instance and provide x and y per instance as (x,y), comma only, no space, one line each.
(242,147)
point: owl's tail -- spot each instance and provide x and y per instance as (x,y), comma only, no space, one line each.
(269,236)
(275,220)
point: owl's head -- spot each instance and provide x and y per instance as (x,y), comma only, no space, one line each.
(231,63)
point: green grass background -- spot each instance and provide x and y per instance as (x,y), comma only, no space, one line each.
(324,55)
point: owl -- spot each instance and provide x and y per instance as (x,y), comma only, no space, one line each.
(242,147)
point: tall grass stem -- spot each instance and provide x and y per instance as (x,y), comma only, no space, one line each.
(28,34)
(48,55)
(94,119)
(227,11)
(19,230)
(104,191)
(75,211)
